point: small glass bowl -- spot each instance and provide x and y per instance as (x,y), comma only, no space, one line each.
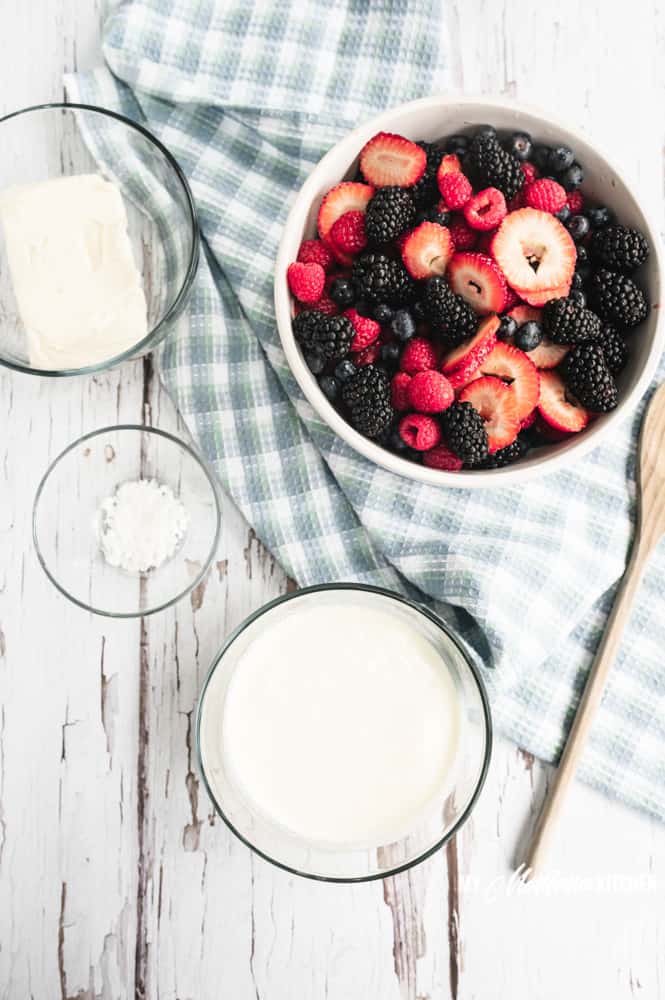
(54,140)
(66,519)
(437,823)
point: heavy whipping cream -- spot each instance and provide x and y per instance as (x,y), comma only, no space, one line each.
(77,287)
(340,723)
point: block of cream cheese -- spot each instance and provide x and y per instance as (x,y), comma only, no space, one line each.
(77,287)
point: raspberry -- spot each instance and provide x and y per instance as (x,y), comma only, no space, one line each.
(419,432)
(546,195)
(575,202)
(486,209)
(484,244)
(455,189)
(530,171)
(463,237)
(306,281)
(367,330)
(442,458)
(326,305)
(430,392)
(315,252)
(368,356)
(418,356)
(398,390)
(348,232)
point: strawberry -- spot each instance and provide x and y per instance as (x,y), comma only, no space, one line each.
(474,350)
(398,387)
(538,299)
(389,160)
(315,252)
(546,195)
(450,164)
(534,251)
(530,171)
(429,392)
(418,356)
(529,420)
(496,404)
(547,354)
(419,431)
(464,374)
(349,196)
(348,232)
(556,409)
(442,458)
(512,299)
(575,202)
(486,209)
(306,281)
(513,366)
(455,189)
(479,281)
(367,330)
(463,237)
(426,250)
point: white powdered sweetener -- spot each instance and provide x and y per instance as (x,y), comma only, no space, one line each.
(141,525)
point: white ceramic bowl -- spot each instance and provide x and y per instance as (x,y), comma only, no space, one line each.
(434,118)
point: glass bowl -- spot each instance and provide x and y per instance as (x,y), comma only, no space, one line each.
(67,519)
(432,823)
(55,140)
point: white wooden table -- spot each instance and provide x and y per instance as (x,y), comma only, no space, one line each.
(116,878)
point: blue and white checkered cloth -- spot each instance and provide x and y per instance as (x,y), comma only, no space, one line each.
(248,96)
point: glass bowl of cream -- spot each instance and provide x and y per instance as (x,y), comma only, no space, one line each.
(99,241)
(126,520)
(343,732)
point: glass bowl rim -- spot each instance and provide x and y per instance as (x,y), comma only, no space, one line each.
(205,566)
(475,675)
(154,335)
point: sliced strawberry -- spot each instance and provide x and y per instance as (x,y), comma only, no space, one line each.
(534,251)
(547,354)
(464,374)
(350,196)
(556,409)
(474,350)
(529,420)
(450,164)
(427,249)
(540,298)
(479,281)
(389,160)
(495,402)
(514,367)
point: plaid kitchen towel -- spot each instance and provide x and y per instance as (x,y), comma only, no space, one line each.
(248,96)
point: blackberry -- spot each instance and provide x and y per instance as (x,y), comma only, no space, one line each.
(318,333)
(450,315)
(488,165)
(566,322)
(380,279)
(388,214)
(439,215)
(465,433)
(506,456)
(588,377)
(426,190)
(618,299)
(614,349)
(619,247)
(367,397)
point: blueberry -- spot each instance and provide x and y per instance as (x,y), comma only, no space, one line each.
(519,144)
(396,442)
(315,362)
(485,130)
(582,255)
(600,216)
(583,267)
(342,292)
(390,353)
(402,325)
(419,310)
(572,177)
(578,297)
(383,313)
(457,144)
(576,282)
(563,214)
(560,158)
(540,156)
(345,370)
(442,218)
(579,227)
(507,328)
(529,336)
(329,387)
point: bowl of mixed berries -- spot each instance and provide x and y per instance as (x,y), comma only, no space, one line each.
(468,293)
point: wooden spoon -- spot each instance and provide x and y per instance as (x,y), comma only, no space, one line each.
(649,529)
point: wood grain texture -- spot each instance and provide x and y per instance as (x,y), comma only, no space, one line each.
(116,878)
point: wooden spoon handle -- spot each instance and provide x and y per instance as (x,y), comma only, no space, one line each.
(586,711)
